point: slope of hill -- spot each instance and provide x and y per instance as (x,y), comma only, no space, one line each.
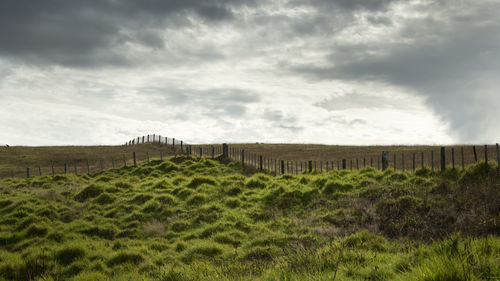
(196,219)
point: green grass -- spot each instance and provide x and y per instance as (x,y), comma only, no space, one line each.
(195,219)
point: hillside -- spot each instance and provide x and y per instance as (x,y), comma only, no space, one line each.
(189,218)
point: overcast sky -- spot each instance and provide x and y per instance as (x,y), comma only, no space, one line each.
(301,71)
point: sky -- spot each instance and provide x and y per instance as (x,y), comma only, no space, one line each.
(359,72)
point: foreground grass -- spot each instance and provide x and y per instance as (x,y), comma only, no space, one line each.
(195,219)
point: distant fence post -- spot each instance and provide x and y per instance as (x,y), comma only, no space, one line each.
(242,157)
(124,161)
(475,153)
(432,160)
(486,153)
(182,144)
(225,150)
(413,158)
(463,161)
(443,159)
(213,152)
(394,163)
(161,155)
(385,160)
(201,151)
(498,160)
(65,168)
(135,159)
(453,158)
(422,162)
(27,173)
(282,167)
(173,144)
(39,171)
(310,166)
(261,163)
(344,164)
(88,166)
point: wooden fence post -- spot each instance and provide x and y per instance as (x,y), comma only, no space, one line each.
(182,144)
(242,157)
(344,164)
(310,166)
(432,159)
(475,154)
(225,150)
(282,167)
(135,159)
(27,173)
(463,161)
(486,153)
(261,163)
(364,162)
(443,159)
(394,162)
(422,164)
(201,151)
(453,158)
(357,164)
(65,168)
(213,152)
(402,161)
(413,158)
(498,160)
(39,171)
(88,167)
(385,160)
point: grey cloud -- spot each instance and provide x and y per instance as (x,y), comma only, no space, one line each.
(84,33)
(372,5)
(452,62)
(279,120)
(358,100)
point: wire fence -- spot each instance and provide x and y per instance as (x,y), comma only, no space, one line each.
(435,158)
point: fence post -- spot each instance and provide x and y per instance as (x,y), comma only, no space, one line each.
(422,164)
(486,153)
(213,152)
(385,160)
(142,139)
(243,157)
(282,167)
(225,150)
(413,158)
(498,160)
(443,159)
(310,164)
(344,164)
(39,171)
(28,173)
(475,154)
(88,166)
(394,163)
(201,151)
(65,168)
(135,159)
(463,161)
(432,159)
(357,164)
(453,158)
(403,161)
(364,162)
(261,164)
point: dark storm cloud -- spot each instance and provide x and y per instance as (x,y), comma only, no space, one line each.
(88,32)
(372,5)
(452,61)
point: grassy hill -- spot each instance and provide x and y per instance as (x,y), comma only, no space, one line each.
(196,219)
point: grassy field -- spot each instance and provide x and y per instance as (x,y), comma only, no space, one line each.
(15,160)
(196,219)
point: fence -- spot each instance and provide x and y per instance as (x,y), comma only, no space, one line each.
(435,159)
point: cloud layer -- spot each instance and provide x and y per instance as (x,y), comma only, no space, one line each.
(328,71)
